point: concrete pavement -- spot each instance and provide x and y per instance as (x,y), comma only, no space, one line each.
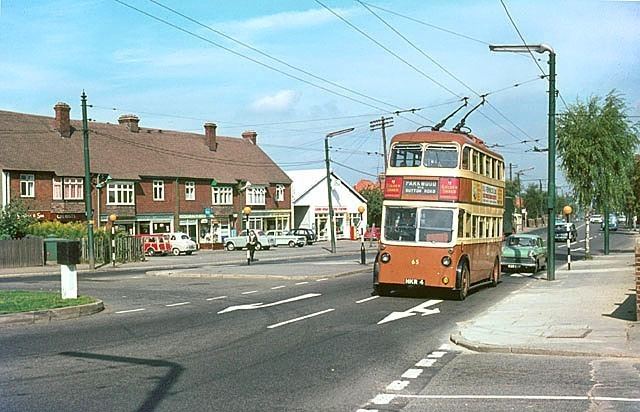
(587,311)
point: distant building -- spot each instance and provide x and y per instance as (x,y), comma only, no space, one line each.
(311,203)
(154,180)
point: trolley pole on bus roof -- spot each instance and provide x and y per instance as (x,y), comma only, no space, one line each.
(332,232)
(551,132)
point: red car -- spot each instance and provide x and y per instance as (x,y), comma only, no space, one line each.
(372,233)
(155,244)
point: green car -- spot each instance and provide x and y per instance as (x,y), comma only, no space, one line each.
(523,251)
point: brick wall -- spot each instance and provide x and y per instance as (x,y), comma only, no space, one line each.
(638,279)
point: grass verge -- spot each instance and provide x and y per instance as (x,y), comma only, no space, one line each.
(15,301)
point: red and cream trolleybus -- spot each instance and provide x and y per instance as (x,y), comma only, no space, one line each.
(442,214)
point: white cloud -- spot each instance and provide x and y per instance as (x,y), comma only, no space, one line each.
(277,103)
(284,20)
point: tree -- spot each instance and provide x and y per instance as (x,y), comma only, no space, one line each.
(15,220)
(534,201)
(374,197)
(596,144)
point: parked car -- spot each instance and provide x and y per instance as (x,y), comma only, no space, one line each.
(595,218)
(565,230)
(524,251)
(308,233)
(154,244)
(240,241)
(285,237)
(181,243)
(372,233)
(613,222)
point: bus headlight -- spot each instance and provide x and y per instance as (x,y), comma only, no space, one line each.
(385,257)
(446,261)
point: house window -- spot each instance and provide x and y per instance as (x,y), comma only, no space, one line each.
(57,188)
(190,190)
(279,193)
(222,195)
(27,186)
(158,190)
(120,194)
(256,195)
(73,188)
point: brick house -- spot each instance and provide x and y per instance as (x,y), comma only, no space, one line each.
(154,180)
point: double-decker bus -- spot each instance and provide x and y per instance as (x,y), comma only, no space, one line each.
(442,214)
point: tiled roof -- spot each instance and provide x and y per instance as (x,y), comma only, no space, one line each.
(30,143)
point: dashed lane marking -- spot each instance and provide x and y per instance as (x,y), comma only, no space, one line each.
(302,283)
(321,280)
(426,363)
(436,354)
(249,292)
(130,310)
(397,385)
(177,304)
(388,397)
(411,373)
(367,299)
(300,318)
(278,287)
(216,298)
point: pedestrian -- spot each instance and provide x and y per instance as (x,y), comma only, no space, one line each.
(252,242)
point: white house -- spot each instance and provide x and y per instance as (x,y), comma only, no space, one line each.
(311,204)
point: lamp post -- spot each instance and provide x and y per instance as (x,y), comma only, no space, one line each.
(551,132)
(332,233)
(112,218)
(363,258)
(247,211)
(567,212)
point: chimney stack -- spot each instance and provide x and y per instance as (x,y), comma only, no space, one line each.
(131,121)
(210,136)
(250,136)
(63,120)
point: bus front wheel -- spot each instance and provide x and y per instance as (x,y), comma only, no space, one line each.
(465,280)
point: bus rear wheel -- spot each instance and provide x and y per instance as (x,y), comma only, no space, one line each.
(465,280)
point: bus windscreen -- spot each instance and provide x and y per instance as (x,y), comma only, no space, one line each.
(433,225)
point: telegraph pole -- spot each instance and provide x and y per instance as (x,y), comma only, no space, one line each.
(87,184)
(382,124)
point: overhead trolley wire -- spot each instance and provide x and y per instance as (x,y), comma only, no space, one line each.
(175,26)
(439,66)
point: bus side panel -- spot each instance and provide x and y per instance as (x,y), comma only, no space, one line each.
(414,262)
(482,257)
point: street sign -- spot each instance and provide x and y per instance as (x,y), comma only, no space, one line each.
(207,211)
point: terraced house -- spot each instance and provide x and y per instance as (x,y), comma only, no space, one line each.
(153,180)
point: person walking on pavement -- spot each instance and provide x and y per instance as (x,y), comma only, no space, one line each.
(252,242)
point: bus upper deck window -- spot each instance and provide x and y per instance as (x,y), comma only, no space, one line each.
(441,156)
(406,155)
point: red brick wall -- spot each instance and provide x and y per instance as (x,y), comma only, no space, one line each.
(638,279)
(43,190)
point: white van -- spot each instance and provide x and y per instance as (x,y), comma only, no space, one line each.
(181,243)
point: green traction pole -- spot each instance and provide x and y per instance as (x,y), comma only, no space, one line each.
(87,184)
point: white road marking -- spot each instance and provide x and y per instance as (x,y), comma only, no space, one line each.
(302,283)
(260,305)
(520,397)
(278,287)
(217,298)
(397,385)
(426,363)
(367,410)
(411,373)
(249,292)
(436,354)
(130,310)
(421,308)
(300,318)
(178,304)
(383,399)
(321,280)
(445,346)
(367,299)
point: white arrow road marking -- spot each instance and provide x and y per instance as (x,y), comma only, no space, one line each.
(421,308)
(260,305)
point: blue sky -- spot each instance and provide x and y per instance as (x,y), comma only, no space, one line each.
(51,50)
